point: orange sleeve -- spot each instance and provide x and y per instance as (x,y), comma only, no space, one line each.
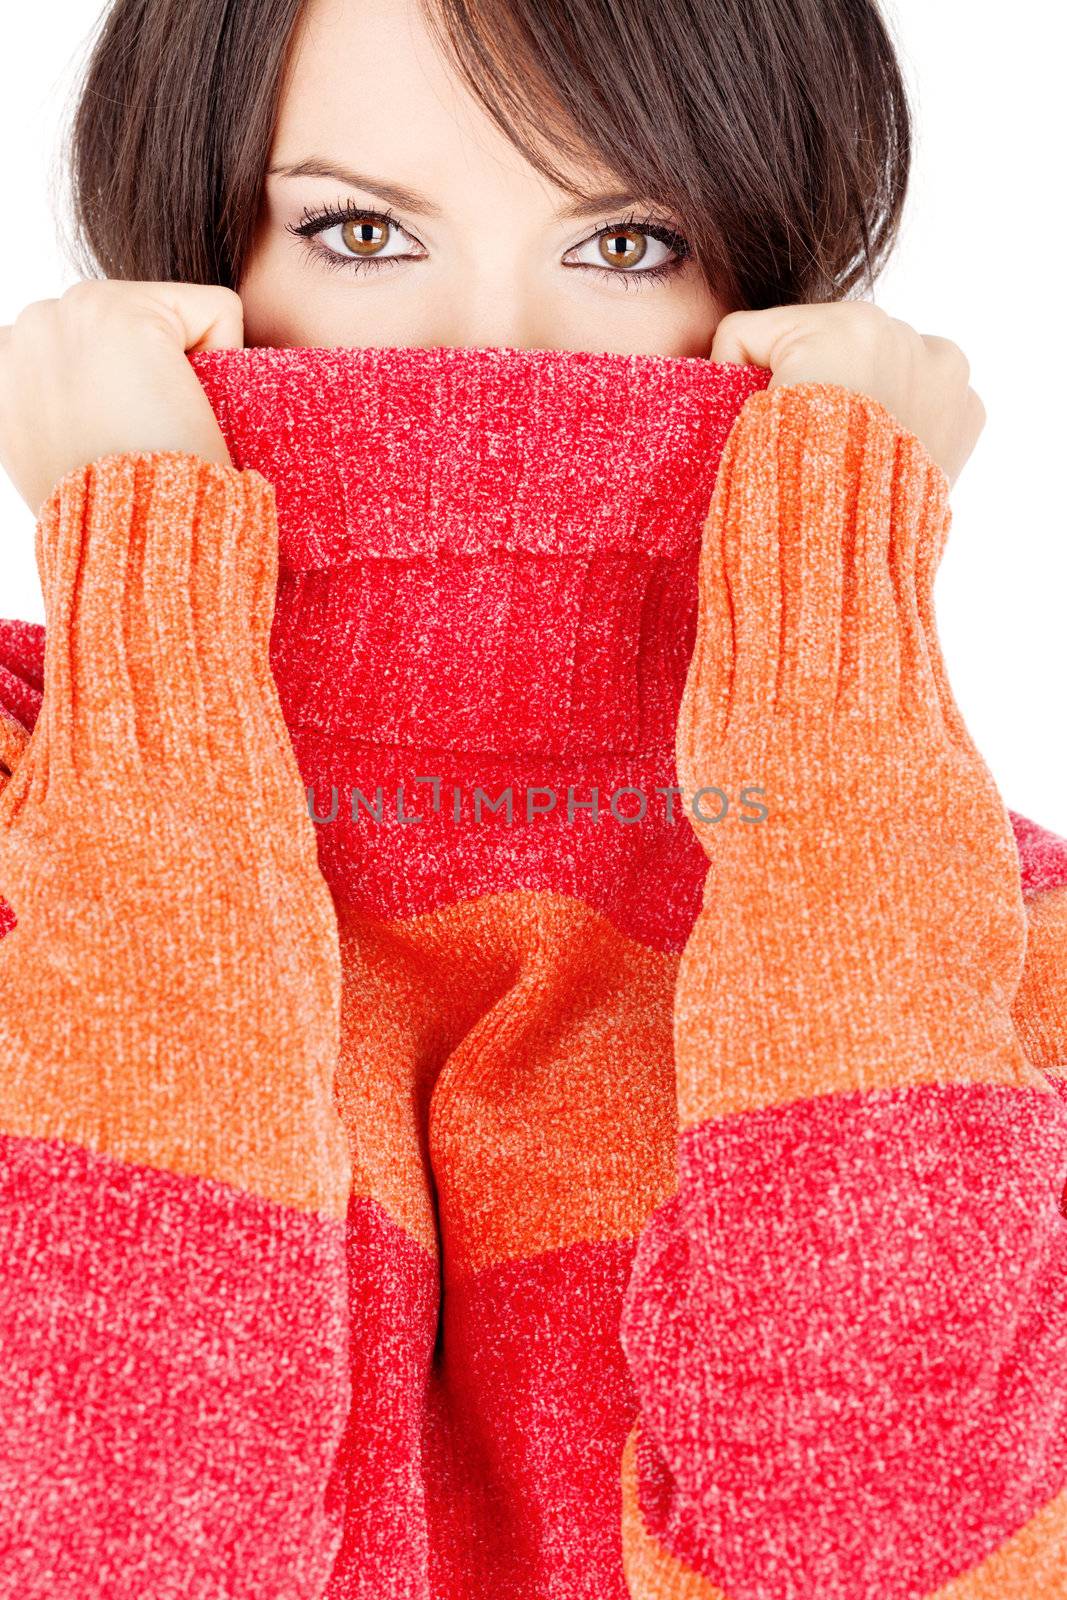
(173,1172)
(847,1329)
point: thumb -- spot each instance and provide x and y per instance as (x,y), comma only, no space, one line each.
(204,316)
(751,336)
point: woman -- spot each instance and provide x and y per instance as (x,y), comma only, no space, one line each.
(474,1238)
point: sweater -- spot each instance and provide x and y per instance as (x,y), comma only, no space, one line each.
(533,1055)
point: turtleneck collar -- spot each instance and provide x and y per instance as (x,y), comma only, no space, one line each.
(456,451)
(487,580)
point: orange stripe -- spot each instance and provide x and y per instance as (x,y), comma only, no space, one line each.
(1031,1565)
(651,1572)
(831,1057)
(533,1040)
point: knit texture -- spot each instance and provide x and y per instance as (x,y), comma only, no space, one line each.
(407,1195)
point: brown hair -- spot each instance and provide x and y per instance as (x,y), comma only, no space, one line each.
(779,130)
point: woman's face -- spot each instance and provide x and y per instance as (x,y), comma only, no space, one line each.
(477,247)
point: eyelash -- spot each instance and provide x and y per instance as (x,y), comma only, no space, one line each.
(315,222)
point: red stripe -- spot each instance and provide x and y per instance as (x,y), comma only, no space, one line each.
(645,876)
(176,1350)
(894,1358)
(528,1409)
(1042,856)
(393,1290)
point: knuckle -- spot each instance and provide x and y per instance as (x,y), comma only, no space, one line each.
(85,301)
(960,361)
(907,331)
(867,321)
(732,318)
(865,312)
(951,356)
(37,311)
(84,289)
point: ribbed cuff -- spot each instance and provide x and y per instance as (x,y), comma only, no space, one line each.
(159,573)
(817,568)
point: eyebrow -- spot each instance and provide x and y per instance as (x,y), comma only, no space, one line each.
(411,200)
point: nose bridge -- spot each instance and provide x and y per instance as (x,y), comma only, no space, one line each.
(497,301)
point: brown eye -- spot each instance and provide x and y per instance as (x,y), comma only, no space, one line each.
(364,236)
(623,247)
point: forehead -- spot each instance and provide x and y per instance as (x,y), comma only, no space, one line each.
(369,87)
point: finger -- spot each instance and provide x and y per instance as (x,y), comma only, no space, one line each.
(976,411)
(967,436)
(751,336)
(212,317)
(948,355)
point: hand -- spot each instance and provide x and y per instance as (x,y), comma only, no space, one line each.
(921,379)
(102,370)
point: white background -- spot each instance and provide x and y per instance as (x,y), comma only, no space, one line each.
(978,262)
